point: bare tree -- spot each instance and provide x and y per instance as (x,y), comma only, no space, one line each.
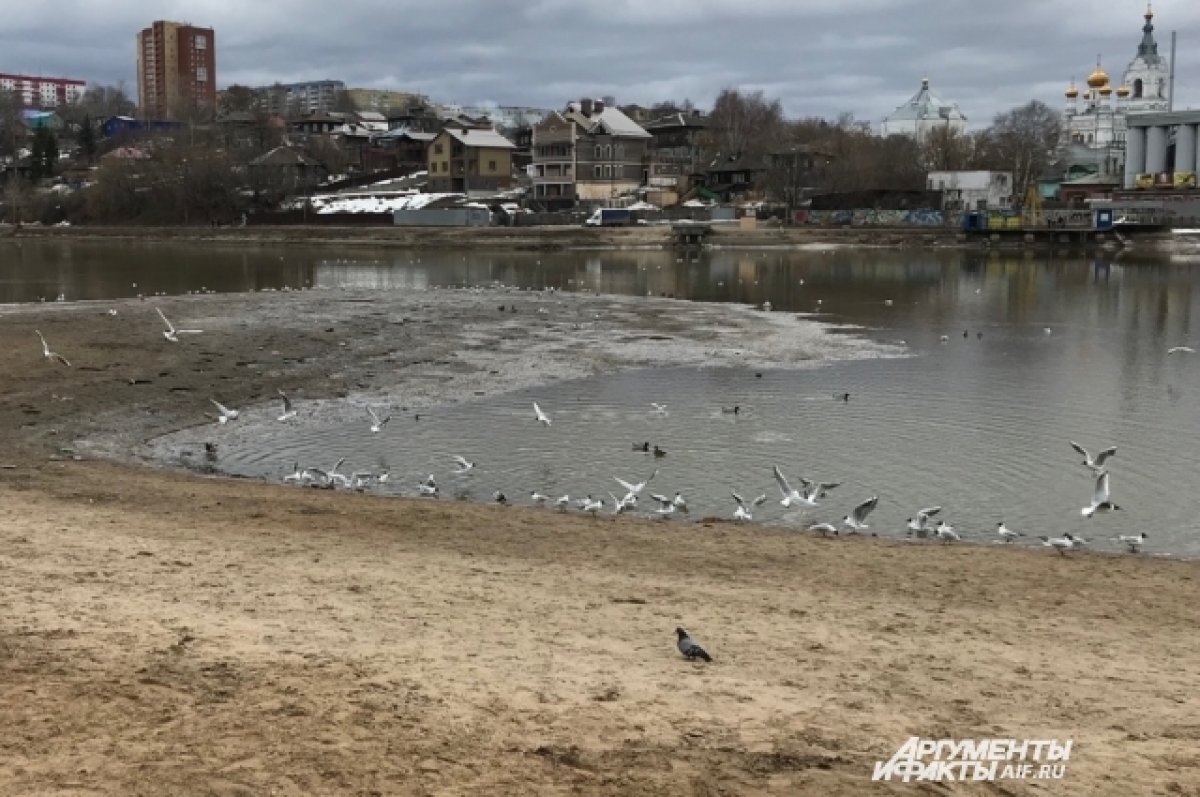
(1024,141)
(744,125)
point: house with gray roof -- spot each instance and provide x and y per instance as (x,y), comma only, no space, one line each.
(590,153)
(469,159)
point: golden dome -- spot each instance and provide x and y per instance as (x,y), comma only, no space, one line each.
(1072,92)
(1123,91)
(1105,90)
(1087,95)
(1098,78)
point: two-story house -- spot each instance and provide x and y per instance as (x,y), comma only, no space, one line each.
(469,159)
(591,154)
(675,151)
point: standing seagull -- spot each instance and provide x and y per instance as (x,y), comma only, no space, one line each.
(946,533)
(51,355)
(376,423)
(921,523)
(1060,544)
(1134,541)
(1007,534)
(1097,464)
(856,520)
(541,416)
(1100,500)
(288,412)
(171,333)
(690,649)
(226,415)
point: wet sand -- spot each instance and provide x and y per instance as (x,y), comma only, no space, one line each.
(162,631)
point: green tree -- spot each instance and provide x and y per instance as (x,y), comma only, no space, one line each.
(44,157)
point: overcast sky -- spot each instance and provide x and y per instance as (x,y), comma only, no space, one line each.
(819,58)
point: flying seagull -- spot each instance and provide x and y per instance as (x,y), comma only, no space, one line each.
(660,409)
(856,520)
(1181,350)
(743,511)
(463,465)
(226,415)
(636,488)
(541,416)
(171,333)
(792,495)
(288,412)
(1096,464)
(51,355)
(1100,499)
(690,649)
(376,423)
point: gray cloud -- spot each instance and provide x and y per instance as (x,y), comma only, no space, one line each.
(819,58)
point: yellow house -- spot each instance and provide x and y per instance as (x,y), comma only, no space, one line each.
(464,159)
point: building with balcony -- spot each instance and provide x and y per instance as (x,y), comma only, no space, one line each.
(176,70)
(33,91)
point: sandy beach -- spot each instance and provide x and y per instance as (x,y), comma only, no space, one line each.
(163,631)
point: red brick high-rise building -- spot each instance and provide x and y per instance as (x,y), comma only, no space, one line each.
(177,70)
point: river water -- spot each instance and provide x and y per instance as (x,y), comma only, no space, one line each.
(1038,351)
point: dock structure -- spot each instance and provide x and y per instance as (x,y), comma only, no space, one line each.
(690,233)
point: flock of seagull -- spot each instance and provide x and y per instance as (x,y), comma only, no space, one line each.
(807,497)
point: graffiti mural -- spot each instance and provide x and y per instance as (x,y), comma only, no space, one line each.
(869,217)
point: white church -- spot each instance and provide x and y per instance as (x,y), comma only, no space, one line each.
(1094,122)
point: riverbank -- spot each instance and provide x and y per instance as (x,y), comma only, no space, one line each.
(163,631)
(509,238)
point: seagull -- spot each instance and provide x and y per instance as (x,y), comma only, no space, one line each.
(679,503)
(376,423)
(635,489)
(499,497)
(593,506)
(1134,541)
(562,502)
(51,355)
(316,476)
(1060,544)
(541,416)
(1007,534)
(946,533)
(1079,542)
(623,504)
(338,479)
(689,647)
(921,522)
(171,333)
(463,465)
(297,475)
(1100,500)
(823,529)
(743,512)
(857,517)
(538,498)
(226,413)
(428,487)
(659,409)
(1181,350)
(288,412)
(791,495)
(821,487)
(1097,464)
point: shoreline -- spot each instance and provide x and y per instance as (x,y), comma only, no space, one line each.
(170,631)
(545,238)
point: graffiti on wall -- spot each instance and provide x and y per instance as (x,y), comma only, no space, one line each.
(870,217)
